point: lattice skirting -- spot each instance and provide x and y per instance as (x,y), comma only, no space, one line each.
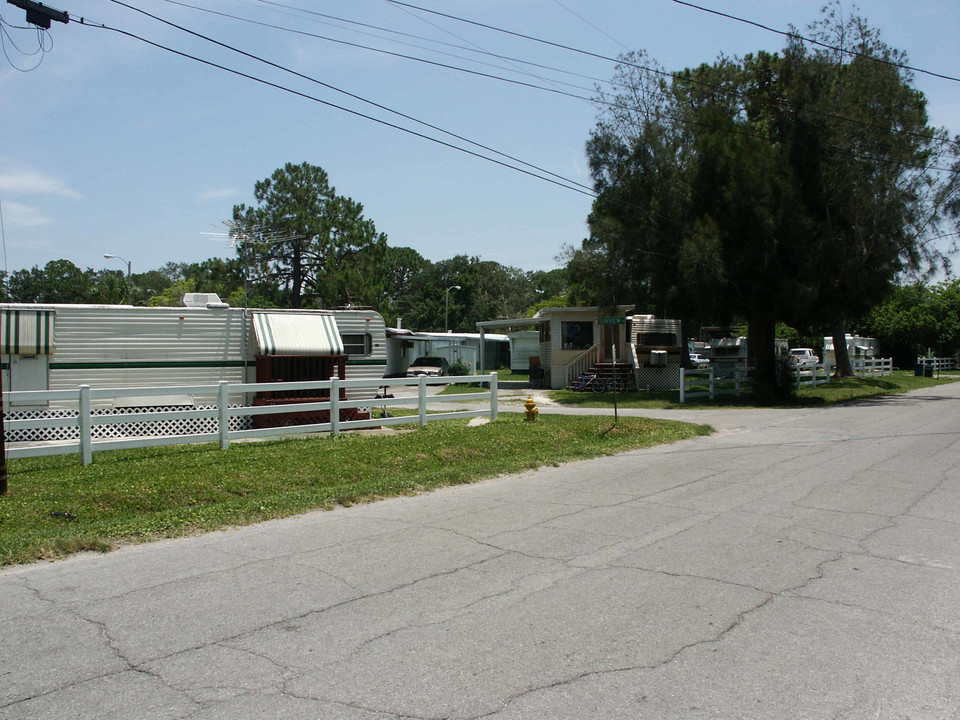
(189,426)
(659,378)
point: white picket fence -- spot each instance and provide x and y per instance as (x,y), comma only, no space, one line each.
(937,364)
(710,383)
(215,421)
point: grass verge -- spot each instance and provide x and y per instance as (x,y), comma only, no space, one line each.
(837,391)
(56,506)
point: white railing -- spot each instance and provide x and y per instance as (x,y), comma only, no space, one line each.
(220,414)
(635,362)
(709,383)
(583,362)
(812,375)
(872,367)
(937,364)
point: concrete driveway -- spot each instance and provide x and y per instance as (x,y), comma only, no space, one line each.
(798,564)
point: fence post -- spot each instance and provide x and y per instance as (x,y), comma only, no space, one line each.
(683,383)
(712,377)
(493,396)
(86,449)
(223,414)
(334,406)
(422,400)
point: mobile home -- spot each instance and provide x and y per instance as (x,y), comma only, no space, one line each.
(56,347)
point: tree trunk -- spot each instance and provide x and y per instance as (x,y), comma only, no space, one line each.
(840,353)
(761,352)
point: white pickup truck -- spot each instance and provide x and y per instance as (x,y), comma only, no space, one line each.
(804,357)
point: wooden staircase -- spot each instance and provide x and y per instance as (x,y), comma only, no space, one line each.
(605,370)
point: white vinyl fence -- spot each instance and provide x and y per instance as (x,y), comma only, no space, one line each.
(872,367)
(812,376)
(710,383)
(867,367)
(106,429)
(937,364)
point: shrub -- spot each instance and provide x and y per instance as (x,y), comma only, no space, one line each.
(458,368)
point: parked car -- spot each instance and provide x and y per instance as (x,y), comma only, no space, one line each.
(429,366)
(804,357)
(699,361)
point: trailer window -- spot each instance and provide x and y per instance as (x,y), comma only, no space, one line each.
(576,335)
(356,343)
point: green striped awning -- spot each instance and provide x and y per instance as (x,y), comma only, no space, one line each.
(297,334)
(26,332)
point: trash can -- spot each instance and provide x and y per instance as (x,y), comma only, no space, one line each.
(918,370)
(928,371)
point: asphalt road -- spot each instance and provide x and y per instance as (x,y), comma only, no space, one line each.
(797,564)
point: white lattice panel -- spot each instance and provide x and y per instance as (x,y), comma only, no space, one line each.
(134,428)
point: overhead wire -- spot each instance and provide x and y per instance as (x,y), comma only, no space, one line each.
(352,95)
(565,182)
(414,58)
(41,50)
(590,100)
(598,29)
(620,61)
(562,182)
(576,187)
(452,34)
(818,43)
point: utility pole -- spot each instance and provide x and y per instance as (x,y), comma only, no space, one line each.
(39,14)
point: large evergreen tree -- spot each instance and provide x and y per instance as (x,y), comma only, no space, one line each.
(314,244)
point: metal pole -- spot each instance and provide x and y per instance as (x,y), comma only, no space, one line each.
(3,442)
(446,313)
(613,354)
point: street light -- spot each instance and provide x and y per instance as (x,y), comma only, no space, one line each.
(110,256)
(446,314)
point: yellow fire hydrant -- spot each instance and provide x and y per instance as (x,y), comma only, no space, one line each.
(531,409)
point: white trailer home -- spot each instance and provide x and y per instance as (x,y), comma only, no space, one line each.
(55,347)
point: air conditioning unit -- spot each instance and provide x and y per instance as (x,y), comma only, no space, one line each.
(658,358)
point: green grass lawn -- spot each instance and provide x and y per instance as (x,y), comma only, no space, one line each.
(835,392)
(56,506)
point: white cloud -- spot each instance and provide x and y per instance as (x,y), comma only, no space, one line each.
(17,215)
(33,182)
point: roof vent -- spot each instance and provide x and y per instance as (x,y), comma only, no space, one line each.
(204,300)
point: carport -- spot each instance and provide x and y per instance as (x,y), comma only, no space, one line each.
(506,325)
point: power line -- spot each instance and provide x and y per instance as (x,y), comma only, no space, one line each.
(599,30)
(796,36)
(262,81)
(349,94)
(423,19)
(591,100)
(621,61)
(41,50)
(564,182)
(414,58)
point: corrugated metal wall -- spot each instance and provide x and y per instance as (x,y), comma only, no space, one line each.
(131,347)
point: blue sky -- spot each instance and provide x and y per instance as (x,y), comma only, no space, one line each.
(110,145)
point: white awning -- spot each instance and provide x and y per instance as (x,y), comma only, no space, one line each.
(297,334)
(26,332)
